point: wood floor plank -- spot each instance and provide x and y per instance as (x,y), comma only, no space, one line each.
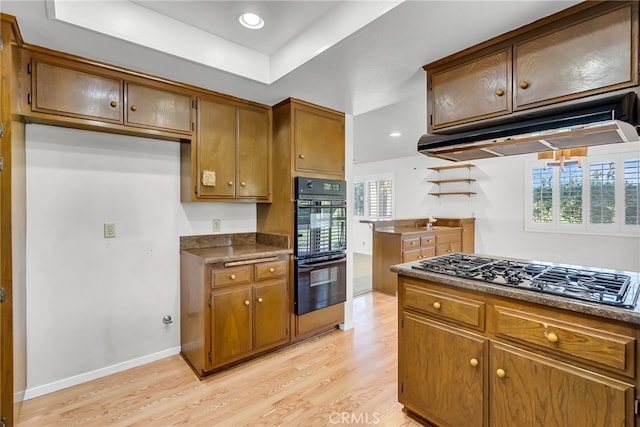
(339,378)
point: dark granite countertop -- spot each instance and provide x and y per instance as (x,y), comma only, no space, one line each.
(217,248)
(594,309)
(405,229)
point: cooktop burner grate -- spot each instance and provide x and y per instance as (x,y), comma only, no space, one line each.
(590,285)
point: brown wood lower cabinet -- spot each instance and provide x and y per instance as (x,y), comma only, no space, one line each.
(233,313)
(511,363)
(441,377)
(248,318)
(532,390)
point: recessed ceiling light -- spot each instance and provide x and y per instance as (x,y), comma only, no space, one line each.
(251,21)
(395,134)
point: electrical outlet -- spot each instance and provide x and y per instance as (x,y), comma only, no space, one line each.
(216,225)
(109,230)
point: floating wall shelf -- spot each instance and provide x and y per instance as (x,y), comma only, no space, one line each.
(438,182)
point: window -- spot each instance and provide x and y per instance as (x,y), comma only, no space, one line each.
(599,196)
(373,197)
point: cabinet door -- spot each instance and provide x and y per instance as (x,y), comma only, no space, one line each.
(487,81)
(253,152)
(216,148)
(532,390)
(155,108)
(74,92)
(231,319)
(587,57)
(442,372)
(271,314)
(319,142)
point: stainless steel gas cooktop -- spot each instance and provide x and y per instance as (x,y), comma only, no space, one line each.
(594,285)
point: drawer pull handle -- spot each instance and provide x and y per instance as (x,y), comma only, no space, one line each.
(436,305)
(474,362)
(259,299)
(271,270)
(552,337)
(246,302)
(499,92)
(232,277)
(301,156)
(501,373)
(524,84)
(230,183)
(412,243)
(134,108)
(114,104)
(243,183)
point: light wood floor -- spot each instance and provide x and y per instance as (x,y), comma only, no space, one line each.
(340,378)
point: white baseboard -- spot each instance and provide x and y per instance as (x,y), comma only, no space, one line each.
(30,393)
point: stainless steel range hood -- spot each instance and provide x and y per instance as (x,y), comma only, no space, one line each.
(605,121)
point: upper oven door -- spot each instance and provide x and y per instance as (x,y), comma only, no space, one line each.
(320,228)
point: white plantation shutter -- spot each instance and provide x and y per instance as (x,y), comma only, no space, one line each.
(600,197)
(376,196)
(632,192)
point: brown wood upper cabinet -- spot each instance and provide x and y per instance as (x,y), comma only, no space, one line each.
(318,139)
(486,80)
(589,49)
(63,90)
(232,151)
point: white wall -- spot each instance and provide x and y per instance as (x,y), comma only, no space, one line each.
(95,305)
(499,211)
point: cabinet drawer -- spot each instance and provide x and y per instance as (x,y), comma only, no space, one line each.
(445,306)
(428,240)
(270,270)
(591,345)
(442,238)
(411,243)
(231,276)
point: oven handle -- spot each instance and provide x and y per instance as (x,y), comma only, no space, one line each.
(311,266)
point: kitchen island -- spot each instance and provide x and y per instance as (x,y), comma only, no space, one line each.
(473,353)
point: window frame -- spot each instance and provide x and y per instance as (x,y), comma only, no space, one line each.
(366,179)
(617,228)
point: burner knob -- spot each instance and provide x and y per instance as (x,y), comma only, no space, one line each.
(552,337)
(501,373)
(436,305)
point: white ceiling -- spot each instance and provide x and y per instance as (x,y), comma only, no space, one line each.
(361,57)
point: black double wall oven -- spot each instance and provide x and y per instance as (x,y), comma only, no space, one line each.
(320,243)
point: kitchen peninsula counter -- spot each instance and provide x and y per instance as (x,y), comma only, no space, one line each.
(402,240)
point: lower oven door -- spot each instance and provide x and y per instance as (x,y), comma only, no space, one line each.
(319,285)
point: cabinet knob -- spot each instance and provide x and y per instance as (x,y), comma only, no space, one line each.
(474,362)
(243,183)
(271,270)
(499,92)
(413,243)
(114,104)
(259,299)
(230,183)
(501,373)
(552,337)
(232,277)
(247,302)
(134,108)
(301,156)
(524,84)
(436,305)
